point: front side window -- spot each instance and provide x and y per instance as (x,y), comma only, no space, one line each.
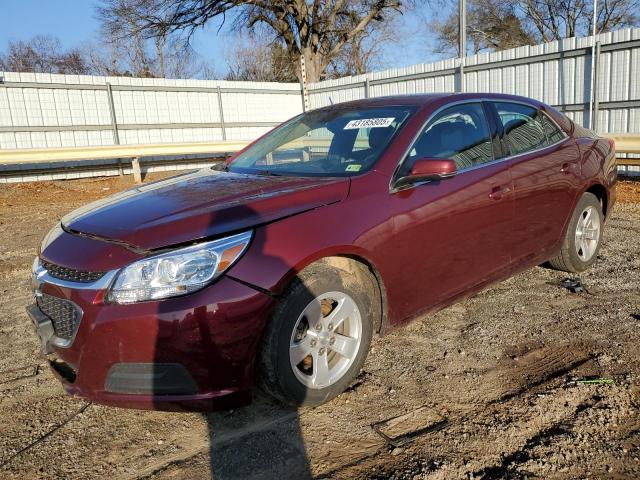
(459,133)
(526,128)
(328,142)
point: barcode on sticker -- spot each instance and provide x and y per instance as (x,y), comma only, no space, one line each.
(369,123)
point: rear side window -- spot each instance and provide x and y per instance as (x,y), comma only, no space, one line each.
(523,130)
(459,133)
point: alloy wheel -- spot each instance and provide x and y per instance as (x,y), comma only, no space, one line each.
(325,340)
(587,233)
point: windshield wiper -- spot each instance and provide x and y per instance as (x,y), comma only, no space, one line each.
(268,173)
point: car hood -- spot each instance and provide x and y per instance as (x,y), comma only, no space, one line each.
(199,205)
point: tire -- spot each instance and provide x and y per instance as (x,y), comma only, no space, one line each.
(580,251)
(316,293)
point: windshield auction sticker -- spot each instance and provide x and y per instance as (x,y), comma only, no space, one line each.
(369,123)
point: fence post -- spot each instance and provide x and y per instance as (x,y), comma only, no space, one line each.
(112,111)
(596,100)
(224,131)
(135,167)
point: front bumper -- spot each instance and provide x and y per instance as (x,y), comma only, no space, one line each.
(195,352)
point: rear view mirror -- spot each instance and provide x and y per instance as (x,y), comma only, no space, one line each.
(425,169)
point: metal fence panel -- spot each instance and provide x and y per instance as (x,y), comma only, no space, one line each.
(50,110)
(557,73)
(46,110)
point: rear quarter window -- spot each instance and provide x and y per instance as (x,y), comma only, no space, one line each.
(551,130)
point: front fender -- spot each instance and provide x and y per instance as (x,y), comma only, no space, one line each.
(280,250)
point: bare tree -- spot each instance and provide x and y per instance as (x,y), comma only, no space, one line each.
(252,60)
(42,54)
(365,52)
(316,30)
(120,55)
(491,25)
(249,58)
(557,19)
(502,24)
(133,56)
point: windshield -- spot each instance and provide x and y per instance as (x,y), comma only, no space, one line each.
(332,142)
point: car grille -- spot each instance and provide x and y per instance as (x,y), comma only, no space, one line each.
(64,315)
(70,274)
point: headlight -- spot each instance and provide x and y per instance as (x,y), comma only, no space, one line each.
(177,272)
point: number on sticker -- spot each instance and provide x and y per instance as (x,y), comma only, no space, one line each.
(369,123)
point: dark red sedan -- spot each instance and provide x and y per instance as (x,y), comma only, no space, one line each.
(343,222)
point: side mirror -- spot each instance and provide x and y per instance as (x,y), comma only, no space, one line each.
(430,169)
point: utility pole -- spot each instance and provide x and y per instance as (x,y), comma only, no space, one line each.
(462,37)
(592,93)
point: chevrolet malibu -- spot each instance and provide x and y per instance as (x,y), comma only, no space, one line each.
(339,224)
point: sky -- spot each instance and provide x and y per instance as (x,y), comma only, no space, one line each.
(73,22)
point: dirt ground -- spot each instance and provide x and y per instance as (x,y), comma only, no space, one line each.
(492,387)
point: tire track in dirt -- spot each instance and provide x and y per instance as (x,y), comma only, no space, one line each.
(21,372)
(532,372)
(48,434)
(506,468)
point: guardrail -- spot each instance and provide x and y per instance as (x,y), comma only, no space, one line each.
(134,152)
(137,153)
(625,143)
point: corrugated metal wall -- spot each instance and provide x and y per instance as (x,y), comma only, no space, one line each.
(43,110)
(556,73)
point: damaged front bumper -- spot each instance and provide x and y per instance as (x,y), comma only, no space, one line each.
(43,327)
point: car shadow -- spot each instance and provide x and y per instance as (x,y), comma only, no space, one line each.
(262,440)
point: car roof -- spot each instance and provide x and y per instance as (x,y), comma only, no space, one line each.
(421,100)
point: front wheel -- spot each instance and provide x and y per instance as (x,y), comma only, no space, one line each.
(584,235)
(318,338)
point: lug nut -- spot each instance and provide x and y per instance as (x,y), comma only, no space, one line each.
(321,351)
(330,327)
(332,340)
(318,326)
(313,343)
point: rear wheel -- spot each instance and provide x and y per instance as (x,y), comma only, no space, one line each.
(318,338)
(583,238)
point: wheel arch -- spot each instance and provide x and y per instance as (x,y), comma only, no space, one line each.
(596,188)
(601,193)
(354,263)
(367,271)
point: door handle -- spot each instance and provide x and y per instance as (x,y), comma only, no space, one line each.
(566,168)
(498,192)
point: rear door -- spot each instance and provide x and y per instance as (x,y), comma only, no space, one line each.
(545,168)
(451,235)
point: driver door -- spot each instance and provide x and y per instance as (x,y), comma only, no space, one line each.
(451,236)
